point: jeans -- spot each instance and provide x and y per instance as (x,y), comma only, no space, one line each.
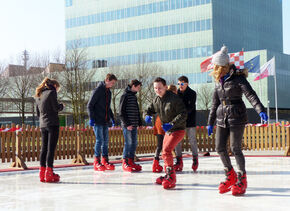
(102,140)
(49,139)
(130,145)
(191,133)
(236,136)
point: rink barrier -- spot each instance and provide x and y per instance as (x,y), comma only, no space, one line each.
(20,144)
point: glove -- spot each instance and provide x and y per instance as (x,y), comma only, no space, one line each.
(264,116)
(92,122)
(148,119)
(113,123)
(209,130)
(167,126)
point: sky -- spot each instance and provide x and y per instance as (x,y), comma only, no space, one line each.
(38,26)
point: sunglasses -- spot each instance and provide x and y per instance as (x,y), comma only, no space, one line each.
(181,84)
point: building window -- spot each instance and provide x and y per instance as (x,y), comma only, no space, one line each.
(68,3)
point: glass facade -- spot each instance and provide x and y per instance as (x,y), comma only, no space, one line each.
(140,10)
(158,56)
(146,33)
(248,25)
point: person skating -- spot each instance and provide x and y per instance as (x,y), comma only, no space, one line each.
(130,120)
(189,99)
(229,112)
(172,113)
(100,113)
(47,108)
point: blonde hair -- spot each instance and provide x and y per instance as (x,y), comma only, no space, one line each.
(46,83)
(172,88)
(220,71)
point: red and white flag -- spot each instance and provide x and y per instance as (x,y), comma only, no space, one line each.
(266,70)
(235,58)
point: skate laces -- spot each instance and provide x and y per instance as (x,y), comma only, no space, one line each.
(239,182)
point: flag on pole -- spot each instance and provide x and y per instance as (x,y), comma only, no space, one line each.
(235,58)
(206,65)
(253,65)
(266,70)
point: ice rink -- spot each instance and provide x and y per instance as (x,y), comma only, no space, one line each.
(83,189)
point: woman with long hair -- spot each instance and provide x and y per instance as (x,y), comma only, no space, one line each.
(229,112)
(47,108)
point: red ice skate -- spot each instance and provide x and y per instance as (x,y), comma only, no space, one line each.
(241,185)
(98,166)
(231,179)
(135,166)
(170,178)
(126,166)
(50,176)
(42,174)
(178,166)
(108,166)
(194,163)
(156,168)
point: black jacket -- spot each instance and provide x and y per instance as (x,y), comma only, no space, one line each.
(170,109)
(189,100)
(129,109)
(99,105)
(47,108)
(228,108)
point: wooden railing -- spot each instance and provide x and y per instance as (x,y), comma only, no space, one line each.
(21,144)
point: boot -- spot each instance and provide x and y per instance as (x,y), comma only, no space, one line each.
(231,179)
(159,180)
(194,163)
(241,185)
(97,165)
(108,166)
(178,166)
(156,167)
(135,166)
(126,166)
(42,174)
(170,178)
(50,176)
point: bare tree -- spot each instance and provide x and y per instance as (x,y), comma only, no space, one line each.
(146,72)
(76,80)
(3,82)
(204,97)
(22,87)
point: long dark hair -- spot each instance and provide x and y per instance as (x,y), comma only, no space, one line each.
(47,83)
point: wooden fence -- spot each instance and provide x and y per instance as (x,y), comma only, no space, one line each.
(19,145)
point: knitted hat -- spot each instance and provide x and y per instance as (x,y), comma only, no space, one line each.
(221,57)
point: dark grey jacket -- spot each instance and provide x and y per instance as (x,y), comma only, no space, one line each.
(228,108)
(129,109)
(47,108)
(170,109)
(189,100)
(99,105)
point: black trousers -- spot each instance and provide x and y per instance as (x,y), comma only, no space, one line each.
(49,137)
(159,145)
(236,136)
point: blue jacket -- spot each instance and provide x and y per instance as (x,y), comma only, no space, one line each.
(99,105)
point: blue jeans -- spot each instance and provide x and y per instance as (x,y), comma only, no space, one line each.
(130,145)
(102,140)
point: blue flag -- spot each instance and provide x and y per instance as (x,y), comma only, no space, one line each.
(253,65)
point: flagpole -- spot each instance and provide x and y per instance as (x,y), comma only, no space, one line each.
(275,80)
(260,88)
